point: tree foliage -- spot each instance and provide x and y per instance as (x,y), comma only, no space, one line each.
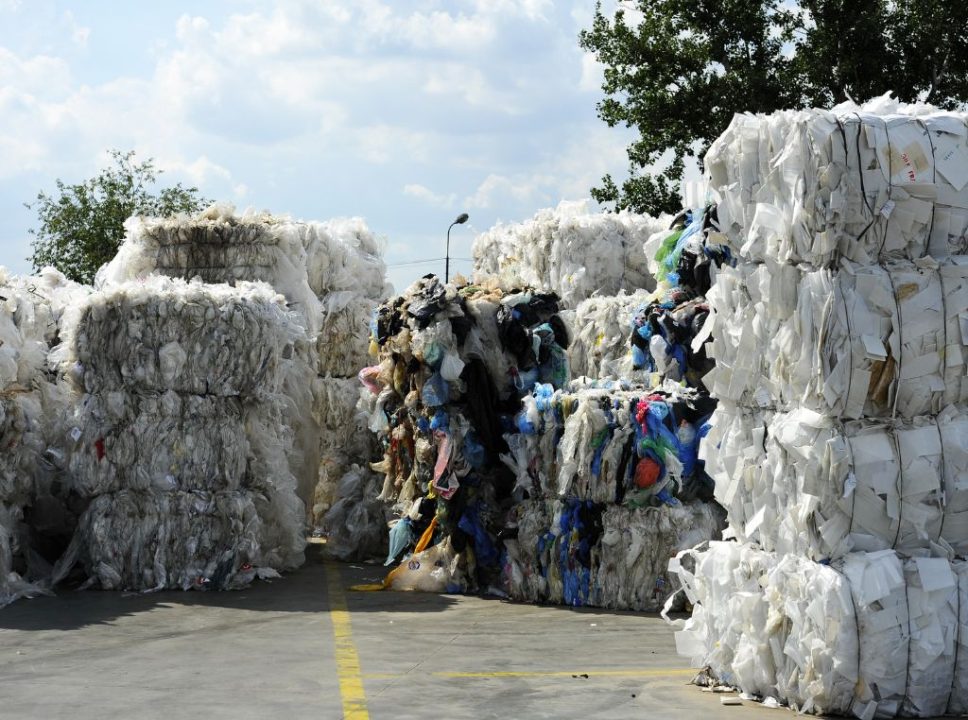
(82,225)
(678,70)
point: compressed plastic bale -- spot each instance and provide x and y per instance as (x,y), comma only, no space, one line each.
(873,635)
(863,182)
(343,255)
(218,246)
(816,670)
(859,341)
(636,545)
(165,334)
(528,555)
(341,420)
(355,526)
(153,541)
(958,700)
(161,442)
(601,342)
(571,252)
(932,601)
(799,482)
(344,335)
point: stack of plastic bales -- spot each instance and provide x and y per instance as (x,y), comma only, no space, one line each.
(454,362)
(570,252)
(34,403)
(332,275)
(842,433)
(614,490)
(180,437)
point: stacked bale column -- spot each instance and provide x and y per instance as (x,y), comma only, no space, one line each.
(180,438)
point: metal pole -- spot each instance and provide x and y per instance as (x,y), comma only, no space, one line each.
(447,256)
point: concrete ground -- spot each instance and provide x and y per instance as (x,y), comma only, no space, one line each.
(307,646)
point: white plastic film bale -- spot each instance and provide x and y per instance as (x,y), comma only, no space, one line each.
(860,341)
(571,252)
(881,180)
(600,345)
(166,334)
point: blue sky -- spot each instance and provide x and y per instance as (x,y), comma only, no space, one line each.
(405,113)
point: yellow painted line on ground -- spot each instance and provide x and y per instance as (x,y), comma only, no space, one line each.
(347,659)
(651,672)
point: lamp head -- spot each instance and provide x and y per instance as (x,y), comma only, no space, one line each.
(462,218)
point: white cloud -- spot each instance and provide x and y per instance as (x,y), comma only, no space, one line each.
(521,189)
(79,33)
(428,196)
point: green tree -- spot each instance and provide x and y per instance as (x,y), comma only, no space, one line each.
(82,226)
(678,70)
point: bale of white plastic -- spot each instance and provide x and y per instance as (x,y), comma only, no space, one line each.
(167,334)
(803,483)
(873,635)
(853,342)
(881,180)
(600,345)
(570,251)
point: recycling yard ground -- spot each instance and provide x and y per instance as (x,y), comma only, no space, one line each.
(307,646)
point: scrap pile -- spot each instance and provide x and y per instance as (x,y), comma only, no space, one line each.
(601,347)
(612,489)
(454,362)
(842,430)
(332,275)
(570,252)
(180,438)
(34,403)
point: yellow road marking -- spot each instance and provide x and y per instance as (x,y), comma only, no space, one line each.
(653,672)
(347,659)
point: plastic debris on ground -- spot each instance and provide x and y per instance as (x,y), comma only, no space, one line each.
(181,437)
(839,444)
(571,252)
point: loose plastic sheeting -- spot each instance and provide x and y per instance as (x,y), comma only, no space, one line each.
(356,525)
(872,635)
(571,252)
(863,182)
(804,483)
(601,335)
(167,334)
(857,341)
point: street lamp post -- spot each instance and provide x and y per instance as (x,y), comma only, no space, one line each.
(461,219)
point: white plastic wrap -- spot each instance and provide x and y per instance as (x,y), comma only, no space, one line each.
(600,346)
(871,636)
(571,252)
(802,483)
(880,180)
(860,341)
(167,334)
